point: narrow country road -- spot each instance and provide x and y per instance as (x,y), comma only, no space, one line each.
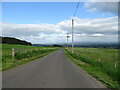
(51,71)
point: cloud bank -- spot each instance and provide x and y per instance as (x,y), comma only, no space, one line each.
(98,30)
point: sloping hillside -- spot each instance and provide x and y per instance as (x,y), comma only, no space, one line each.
(10,40)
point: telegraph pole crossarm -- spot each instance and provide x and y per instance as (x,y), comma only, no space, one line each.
(67,38)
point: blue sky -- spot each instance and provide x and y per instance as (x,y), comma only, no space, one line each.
(42,12)
(49,22)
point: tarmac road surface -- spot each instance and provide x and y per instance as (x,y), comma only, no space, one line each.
(51,71)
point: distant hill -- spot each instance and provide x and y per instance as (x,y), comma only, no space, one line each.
(49,45)
(96,45)
(42,45)
(10,40)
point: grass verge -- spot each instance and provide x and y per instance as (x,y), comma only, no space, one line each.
(95,72)
(22,61)
(23,54)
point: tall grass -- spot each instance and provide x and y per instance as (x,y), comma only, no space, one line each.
(104,60)
(22,53)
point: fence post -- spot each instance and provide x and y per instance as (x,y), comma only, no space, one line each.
(13,53)
(115,65)
(99,60)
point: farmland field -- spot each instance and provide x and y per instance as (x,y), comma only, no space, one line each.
(99,62)
(22,55)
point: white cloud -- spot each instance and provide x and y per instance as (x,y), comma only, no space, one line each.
(105,29)
(110,7)
(29,29)
(92,26)
(97,35)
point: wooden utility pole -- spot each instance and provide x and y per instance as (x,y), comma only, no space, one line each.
(72,35)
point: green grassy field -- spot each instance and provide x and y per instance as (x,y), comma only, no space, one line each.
(23,54)
(99,62)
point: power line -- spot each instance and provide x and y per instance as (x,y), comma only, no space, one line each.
(76,9)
